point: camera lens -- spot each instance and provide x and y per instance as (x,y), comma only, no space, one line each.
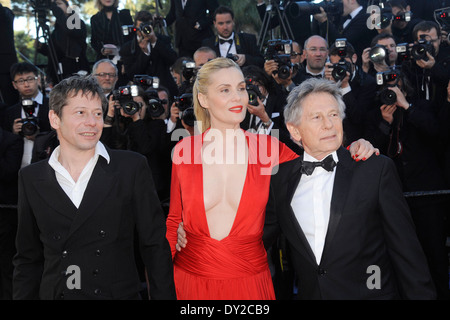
(284,72)
(130,107)
(387,96)
(377,54)
(419,52)
(188,116)
(29,127)
(338,73)
(155,108)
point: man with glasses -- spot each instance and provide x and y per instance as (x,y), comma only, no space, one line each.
(107,74)
(316,55)
(26,81)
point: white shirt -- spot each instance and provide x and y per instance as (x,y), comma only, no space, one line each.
(311,205)
(225,47)
(29,144)
(75,190)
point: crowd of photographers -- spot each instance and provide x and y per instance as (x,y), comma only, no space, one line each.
(392,67)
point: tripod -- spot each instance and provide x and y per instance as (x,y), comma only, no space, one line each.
(41,17)
(274,10)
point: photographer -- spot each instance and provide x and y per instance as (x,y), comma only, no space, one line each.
(381,56)
(67,42)
(404,21)
(406,129)
(149,53)
(357,87)
(30,115)
(107,36)
(428,72)
(352,26)
(240,47)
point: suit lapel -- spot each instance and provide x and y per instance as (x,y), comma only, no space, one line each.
(339,197)
(52,193)
(96,191)
(295,175)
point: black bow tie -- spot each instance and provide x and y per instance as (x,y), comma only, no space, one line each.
(328,164)
(318,76)
(222,41)
(345,18)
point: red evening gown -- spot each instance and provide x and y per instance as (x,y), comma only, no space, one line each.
(236,267)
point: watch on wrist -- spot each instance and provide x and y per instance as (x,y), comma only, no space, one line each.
(267,124)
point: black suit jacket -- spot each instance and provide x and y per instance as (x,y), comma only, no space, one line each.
(370,224)
(187,38)
(245,44)
(157,64)
(98,237)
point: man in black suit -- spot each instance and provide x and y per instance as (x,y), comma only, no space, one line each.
(192,23)
(149,53)
(353,25)
(26,81)
(348,226)
(11,148)
(241,47)
(78,212)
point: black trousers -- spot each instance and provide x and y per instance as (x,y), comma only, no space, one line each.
(8,230)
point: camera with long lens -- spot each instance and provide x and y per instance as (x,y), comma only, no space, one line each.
(341,68)
(280,51)
(253,92)
(419,50)
(384,79)
(155,106)
(146,82)
(185,104)
(332,7)
(30,122)
(125,96)
(403,16)
(378,53)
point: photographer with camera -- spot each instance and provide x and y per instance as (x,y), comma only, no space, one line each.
(69,42)
(29,116)
(403,21)
(357,87)
(240,47)
(406,129)
(352,25)
(149,53)
(428,66)
(381,55)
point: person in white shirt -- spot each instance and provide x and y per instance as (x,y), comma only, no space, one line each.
(80,211)
(349,228)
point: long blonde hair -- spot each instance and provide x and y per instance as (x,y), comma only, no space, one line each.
(202,81)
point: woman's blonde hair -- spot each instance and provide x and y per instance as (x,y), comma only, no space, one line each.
(202,81)
(99,5)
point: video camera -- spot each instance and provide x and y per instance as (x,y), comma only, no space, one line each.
(253,92)
(341,68)
(30,122)
(332,7)
(185,104)
(386,95)
(125,96)
(280,51)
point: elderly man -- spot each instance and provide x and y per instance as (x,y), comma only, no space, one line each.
(348,226)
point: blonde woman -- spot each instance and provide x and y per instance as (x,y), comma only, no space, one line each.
(219,190)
